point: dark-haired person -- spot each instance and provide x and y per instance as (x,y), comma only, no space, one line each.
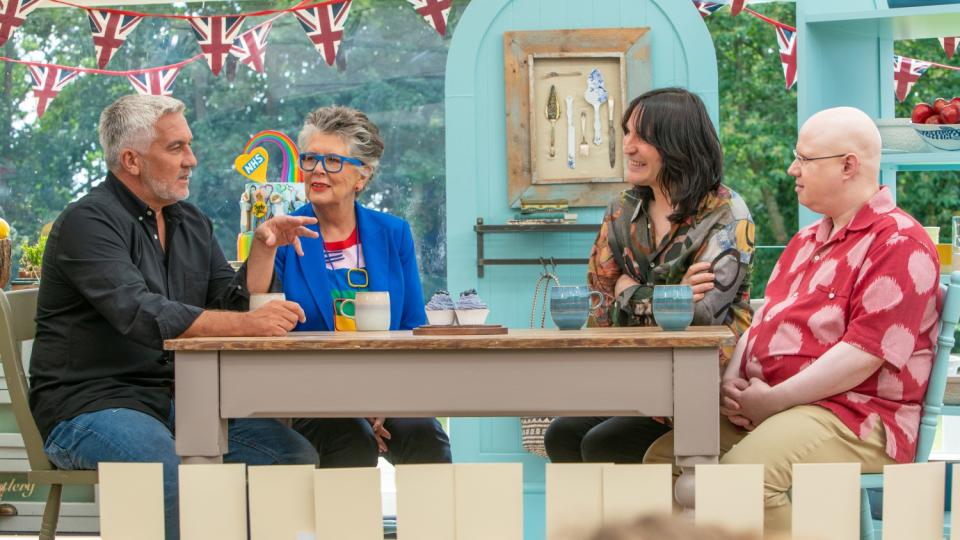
(676,224)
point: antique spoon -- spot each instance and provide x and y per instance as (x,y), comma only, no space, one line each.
(553,114)
(571,143)
(595,95)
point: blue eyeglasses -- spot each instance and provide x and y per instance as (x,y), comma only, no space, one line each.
(332,163)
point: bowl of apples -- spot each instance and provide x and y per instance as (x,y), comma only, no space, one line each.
(938,124)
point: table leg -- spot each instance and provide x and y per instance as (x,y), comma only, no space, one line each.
(201,435)
(696,416)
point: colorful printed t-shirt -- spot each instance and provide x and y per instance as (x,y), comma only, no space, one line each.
(341,259)
(721,233)
(874,285)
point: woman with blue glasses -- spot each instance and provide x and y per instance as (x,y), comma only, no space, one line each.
(358,250)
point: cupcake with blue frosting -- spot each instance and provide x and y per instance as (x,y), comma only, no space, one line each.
(471,309)
(440,309)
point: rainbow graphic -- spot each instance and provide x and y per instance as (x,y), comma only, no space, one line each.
(290,172)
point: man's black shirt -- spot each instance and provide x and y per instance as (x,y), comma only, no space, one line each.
(110,295)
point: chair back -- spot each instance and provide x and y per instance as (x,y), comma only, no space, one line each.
(933,400)
(17,312)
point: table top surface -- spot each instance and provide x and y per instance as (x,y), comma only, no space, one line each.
(587,338)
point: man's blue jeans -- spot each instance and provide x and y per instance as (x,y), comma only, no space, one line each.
(125,435)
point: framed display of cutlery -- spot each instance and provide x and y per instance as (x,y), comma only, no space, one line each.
(566,91)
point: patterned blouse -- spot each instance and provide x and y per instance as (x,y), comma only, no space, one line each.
(722,233)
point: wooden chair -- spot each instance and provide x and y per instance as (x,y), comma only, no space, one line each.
(932,401)
(17,312)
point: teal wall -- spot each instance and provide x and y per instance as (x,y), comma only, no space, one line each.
(682,55)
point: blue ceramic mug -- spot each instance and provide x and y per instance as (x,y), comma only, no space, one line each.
(570,305)
(673,306)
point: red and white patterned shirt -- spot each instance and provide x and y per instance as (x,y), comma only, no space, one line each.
(874,285)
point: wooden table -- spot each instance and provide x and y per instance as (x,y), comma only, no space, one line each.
(591,372)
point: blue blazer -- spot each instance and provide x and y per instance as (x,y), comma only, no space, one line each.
(391,263)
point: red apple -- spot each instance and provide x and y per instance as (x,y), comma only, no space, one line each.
(921,112)
(934,119)
(955,100)
(939,104)
(950,114)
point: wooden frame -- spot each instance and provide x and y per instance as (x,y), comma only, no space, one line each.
(618,53)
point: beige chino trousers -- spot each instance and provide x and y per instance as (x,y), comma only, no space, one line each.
(804,434)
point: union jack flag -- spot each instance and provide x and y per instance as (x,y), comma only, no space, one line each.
(906,72)
(949,45)
(251,46)
(216,36)
(324,26)
(110,29)
(12,15)
(435,12)
(787,40)
(156,82)
(736,6)
(707,8)
(48,81)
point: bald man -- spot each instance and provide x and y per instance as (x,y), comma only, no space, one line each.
(835,365)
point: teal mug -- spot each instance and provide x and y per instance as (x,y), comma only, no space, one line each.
(673,306)
(570,305)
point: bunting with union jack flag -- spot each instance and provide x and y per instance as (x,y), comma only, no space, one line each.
(707,8)
(949,45)
(906,72)
(787,41)
(251,47)
(324,26)
(110,30)
(156,82)
(12,15)
(216,36)
(435,12)
(48,81)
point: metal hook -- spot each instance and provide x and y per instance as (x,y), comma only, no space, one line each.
(553,264)
(543,263)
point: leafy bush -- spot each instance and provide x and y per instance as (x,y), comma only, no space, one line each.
(31,256)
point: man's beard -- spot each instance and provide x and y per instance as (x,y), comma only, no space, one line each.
(164,191)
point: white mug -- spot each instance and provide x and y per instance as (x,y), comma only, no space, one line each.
(258,300)
(371,310)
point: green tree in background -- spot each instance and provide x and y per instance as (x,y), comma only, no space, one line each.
(932,197)
(758,127)
(391,65)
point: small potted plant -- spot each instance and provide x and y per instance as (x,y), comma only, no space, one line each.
(31,256)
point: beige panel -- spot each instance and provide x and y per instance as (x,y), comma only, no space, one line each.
(131,501)
(347,504)
(213,502)
(913,501)
(201,432)
(730,496)
(633,490)
(425,502)
(574,499)
(290,384)
(955,503)
(826,501)
(281,502)
(489,501)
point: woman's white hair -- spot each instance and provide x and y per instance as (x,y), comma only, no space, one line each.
(355,129)
(130,122)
